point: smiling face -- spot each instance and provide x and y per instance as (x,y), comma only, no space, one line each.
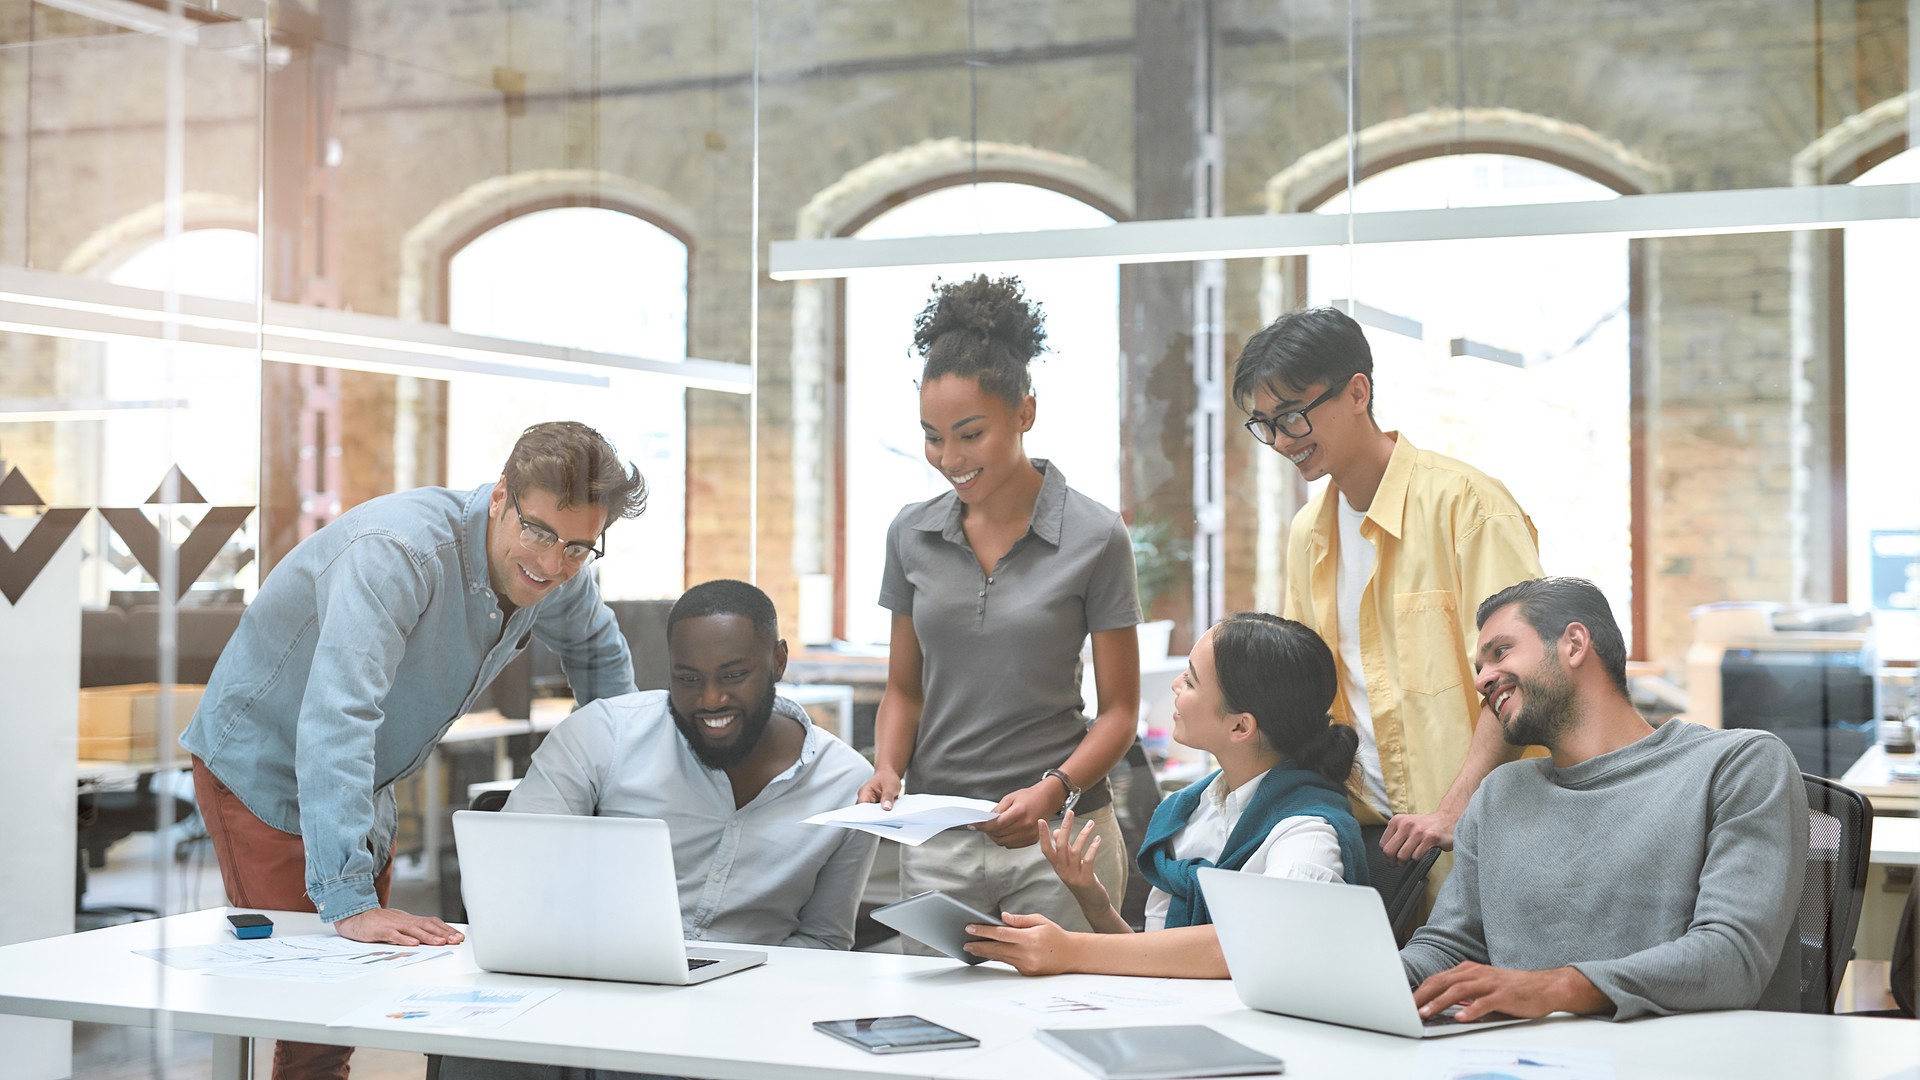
(520,572)
(973,437)
(1523,680)
(721,687)
(1336,423)
(1200,717)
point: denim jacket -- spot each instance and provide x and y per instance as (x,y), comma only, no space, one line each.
(360,650)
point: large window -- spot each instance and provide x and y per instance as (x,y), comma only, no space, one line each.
(179,404)
(1883,397)
(1509,354)
(585,278)
(1076,383)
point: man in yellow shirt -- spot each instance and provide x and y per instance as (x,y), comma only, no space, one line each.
(1388,564)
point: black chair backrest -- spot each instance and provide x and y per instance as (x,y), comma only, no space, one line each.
(1136,794)
(490,799)
(1400,887)
(1902,978)
(1839,836)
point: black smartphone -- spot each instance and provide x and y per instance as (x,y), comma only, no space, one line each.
(251,925)
(895,1034)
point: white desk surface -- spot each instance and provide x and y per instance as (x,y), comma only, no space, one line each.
(1872,776)
(96,774)
(1896,841)
(756,1024)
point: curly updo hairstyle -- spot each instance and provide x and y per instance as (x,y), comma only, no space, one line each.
(1283,673)
(986,330)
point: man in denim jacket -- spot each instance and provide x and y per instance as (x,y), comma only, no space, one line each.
(360,650)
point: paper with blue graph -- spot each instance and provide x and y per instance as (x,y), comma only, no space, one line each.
(468,1007)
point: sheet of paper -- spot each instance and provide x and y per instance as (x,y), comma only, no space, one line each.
(446,1007)
(1440,1061)
(1064,998)
(316,957)
(914,818)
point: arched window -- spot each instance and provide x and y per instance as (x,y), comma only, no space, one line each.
(215,435)
(587,278)
(1883,397)
(1076,384)
(1509,354)
(178,404)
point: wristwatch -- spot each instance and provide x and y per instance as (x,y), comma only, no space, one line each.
(1073,793)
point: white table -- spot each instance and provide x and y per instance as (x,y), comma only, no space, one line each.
(1896,841)
(756,1024)
(1873,777)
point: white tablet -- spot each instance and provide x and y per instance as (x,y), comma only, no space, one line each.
(936,919)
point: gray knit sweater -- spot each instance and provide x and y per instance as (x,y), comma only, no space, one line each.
(1668,872)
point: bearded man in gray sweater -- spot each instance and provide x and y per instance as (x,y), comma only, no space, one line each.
(1638,869)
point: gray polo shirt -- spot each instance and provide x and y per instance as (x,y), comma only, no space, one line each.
(1000,650)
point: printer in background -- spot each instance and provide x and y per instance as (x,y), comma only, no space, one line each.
(1803,672)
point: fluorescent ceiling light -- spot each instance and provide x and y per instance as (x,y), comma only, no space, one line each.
(1687,213)
(129,15)
(56,410)
(60,305)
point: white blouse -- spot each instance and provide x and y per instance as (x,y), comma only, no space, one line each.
(1303,847)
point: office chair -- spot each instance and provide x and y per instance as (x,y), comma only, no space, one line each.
(1839,836)
(1902,979)
(1400,887)
(104,819)
(1136,794)
(452,907)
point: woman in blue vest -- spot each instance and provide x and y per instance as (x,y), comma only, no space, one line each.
(1255,695)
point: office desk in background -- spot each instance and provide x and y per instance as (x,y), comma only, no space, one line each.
(1873,776)
(1896,836)
(700,1030)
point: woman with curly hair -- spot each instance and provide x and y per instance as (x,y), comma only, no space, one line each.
(993,587)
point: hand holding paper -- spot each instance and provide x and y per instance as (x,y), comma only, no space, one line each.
(913,819)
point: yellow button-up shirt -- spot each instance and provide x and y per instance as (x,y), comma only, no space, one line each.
(1446,536)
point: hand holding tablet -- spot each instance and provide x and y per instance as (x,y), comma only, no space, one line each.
(938,920)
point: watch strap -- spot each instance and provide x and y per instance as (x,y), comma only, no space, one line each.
(1073,793)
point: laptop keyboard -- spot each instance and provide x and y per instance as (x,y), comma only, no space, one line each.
(1450,1016)
(695,963)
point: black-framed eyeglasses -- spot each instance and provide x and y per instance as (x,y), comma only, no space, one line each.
(1293,423)
(541,538)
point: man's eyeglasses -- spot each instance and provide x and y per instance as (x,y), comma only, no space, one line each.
(1294,423)
(541,538)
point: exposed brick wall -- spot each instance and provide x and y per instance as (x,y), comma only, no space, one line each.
(1719,93)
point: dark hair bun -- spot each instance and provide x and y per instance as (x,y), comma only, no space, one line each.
(984,329)
(992,311)
(1331,753)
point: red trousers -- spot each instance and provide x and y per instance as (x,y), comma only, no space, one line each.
(266,869)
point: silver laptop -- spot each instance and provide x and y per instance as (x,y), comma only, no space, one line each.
(1319,951)
(581,897)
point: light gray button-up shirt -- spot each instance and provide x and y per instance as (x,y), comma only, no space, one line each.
(363,646)
(1000,650)
(753,875)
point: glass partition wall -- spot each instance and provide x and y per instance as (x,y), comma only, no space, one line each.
(262,263)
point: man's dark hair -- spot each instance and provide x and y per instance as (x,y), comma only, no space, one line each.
(1549,604)
(1320,346)
(727,597)
(579,466)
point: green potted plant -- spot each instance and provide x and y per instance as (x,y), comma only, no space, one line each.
(1159,553)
